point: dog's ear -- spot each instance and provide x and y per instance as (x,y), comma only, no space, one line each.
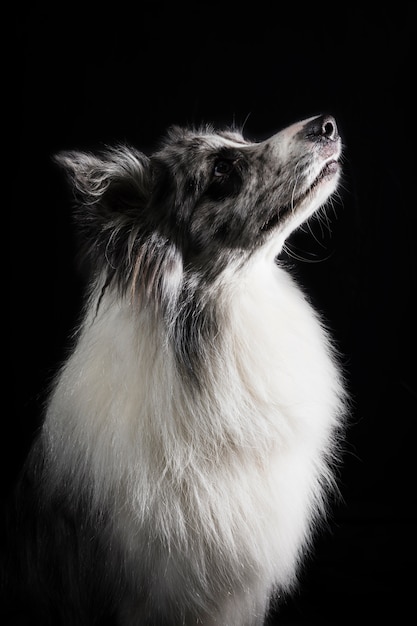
(111,191)
(110,184)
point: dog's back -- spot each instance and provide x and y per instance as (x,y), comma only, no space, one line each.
(188,443)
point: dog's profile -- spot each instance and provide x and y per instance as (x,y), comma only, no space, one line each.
(189,440)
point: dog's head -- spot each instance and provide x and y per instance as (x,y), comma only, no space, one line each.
(203,197)
(222,192)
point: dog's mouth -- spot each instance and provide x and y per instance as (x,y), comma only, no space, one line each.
(329,170)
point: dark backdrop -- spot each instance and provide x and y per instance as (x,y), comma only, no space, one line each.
(82,81)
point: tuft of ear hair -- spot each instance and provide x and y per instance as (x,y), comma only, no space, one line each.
(114,180)
(112,190)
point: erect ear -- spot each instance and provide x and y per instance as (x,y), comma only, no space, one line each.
(114,181)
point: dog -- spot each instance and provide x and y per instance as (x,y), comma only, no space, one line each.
(191,437)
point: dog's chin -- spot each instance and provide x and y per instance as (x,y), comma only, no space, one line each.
(308,201)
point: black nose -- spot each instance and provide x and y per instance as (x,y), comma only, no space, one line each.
(322,127)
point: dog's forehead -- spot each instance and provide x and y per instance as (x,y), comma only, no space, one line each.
(205,139)
(221,139)
(230,137)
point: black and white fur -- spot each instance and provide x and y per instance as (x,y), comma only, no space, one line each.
(187,449)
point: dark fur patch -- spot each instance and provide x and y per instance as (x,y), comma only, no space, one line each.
(228,183)
(58,570)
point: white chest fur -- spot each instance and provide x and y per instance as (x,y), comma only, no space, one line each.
(233,473)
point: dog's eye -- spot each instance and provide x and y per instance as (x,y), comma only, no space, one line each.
(222,167)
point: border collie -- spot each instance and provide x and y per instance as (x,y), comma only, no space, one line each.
(190,439)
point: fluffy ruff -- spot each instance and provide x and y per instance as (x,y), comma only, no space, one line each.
(187,450)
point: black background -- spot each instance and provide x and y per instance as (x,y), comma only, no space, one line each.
(83,81)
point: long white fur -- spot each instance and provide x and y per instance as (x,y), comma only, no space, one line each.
(241,472)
